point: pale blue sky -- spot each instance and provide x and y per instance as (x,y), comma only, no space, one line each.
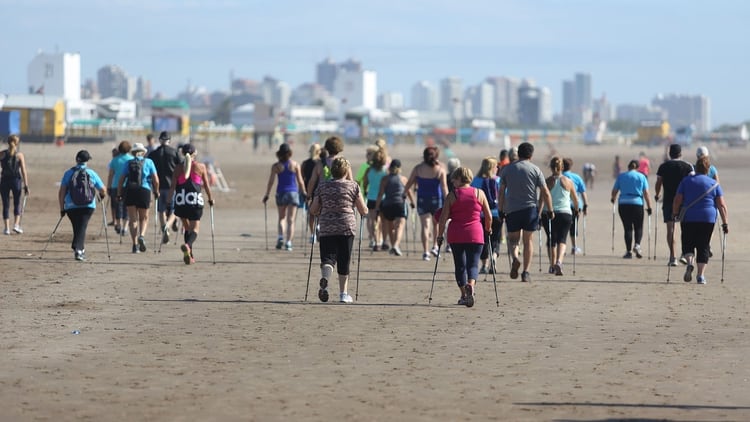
(633,49)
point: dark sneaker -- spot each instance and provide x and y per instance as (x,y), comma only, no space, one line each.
(688,274)
(701,279)
(514,268)
(135,249)
(469,295)
(551,269)
(461,301)
(628,255)
(323,292)
(525,277)
(672,262)
(141,244)
(483,270)
(279,243)
(558,269)
(187,254)
(165,235)
(174,226)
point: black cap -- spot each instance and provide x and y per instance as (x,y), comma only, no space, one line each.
(83,156)
(675,150)
(164,136)
(283,149)
(188,149)
(395,163)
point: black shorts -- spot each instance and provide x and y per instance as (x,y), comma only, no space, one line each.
(189,213)
(138,197)
(393,211)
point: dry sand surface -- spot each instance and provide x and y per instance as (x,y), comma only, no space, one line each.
(159,340)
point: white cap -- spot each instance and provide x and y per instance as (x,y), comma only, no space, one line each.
(702,152)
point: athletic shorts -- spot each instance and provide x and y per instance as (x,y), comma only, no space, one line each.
(189,213)
(287,198)
(138,197)
(337,251)
(393,211)
(428,205)
(371,204)
(164,201)
(526,219)
(667,211)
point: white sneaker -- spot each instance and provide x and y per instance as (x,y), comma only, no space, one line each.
(425,257)
(6,231)
(345,298)
(17,229)
(396,251)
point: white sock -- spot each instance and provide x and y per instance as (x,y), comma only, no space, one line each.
(326,271)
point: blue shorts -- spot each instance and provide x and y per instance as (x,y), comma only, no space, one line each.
(428,204)
(164,201)
(287,198)
(526,219)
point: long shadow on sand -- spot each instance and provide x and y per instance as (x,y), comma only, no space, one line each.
(301,302)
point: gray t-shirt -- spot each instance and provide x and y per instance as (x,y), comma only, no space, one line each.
(521,179)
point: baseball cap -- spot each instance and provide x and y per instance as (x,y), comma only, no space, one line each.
(188,149)
(83,156)
(702,152)
(395,163)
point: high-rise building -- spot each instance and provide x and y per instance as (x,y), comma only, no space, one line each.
(424,97)
(686,110)
(481,101)
(391,101)
(506,98)
(356,89)
(143,89)
(583,90)
(55,74)
(638,112)
(577,101)
(451,93)
(114,82)
(325,73)
(534,104)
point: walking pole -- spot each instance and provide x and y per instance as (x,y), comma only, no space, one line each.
(309,267)
(106,236)
(434,273)
(304,229)
(156,223)
(584,235)
(656,229)
(265,219)
(540,247)
(51,236)
(213,241)
(406,227)
(414,230)
(359,255)
(493,271)
(23,208)
(104,224)
(549,239)
(575,236)
(614,207)
(648,255)
(723,248)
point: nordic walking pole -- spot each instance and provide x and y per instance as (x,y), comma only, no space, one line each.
(104,225)
(493,271)
(614,207)
(540,247)
(434,273)
(549,238)
(106,236)
(309,267)
(23,207)
(406,227)
(575,235)
(723,248)
(656,229)
(648,255)
(213,241)
(156,223)
(265,219)
(52,235)
(359,256)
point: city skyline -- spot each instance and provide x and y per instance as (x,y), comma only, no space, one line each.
(652,47)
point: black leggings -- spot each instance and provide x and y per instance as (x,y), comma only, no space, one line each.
(492,240)
(632,220)
(6,187)
(79,218)
(696,238)
(337,251)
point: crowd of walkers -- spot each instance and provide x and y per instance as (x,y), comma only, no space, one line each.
(463,213)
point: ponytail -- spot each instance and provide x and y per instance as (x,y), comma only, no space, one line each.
(188,165)
(13,145)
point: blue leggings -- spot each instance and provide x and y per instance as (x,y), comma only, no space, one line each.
(466,261)
(6,187)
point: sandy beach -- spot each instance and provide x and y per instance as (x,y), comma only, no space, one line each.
(143,337)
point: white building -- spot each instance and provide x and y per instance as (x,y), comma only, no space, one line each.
(357,88)
(424,97)
(686,110)
(56,75)
(451,93)
(391,101)
(506,98)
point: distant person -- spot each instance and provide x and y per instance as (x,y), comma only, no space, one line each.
(699,197)
(322,171)
(616,167)
(151,143)
(136,185)
(371,187)
(668,176)
(166,159)
(644,165)
(519,183)
(452,165)
(288,189)
(79,213)
(117,169)
(582,200)
(712,172)
(430,180)
(307,166)
(589,174)
(13,179)
(631,187)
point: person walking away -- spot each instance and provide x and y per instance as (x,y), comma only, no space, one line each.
(371,186)
(489,183)
(117,167)
(334,203)
(166,159)
(470,224)
(151,143)
(695,204)
(288,191)
(565,207)
(668,176)
(189,178)
(589,174)
(712,171)
(430,180)
(13,180)
(333,146)
(631,192)
(392,206)
(644,164)
(616,168)
(136,185)
(582,200)
(519,183)
(307,168)
(77,200)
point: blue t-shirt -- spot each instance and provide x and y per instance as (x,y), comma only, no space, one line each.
(712,172)
(98,184)
(118,165)
(579,184)
(631,185)
(478,183)
(693,186)
(148,169)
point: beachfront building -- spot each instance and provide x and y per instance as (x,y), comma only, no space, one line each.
(424,96)
(55,75)
(534,104)
(113,81)
(686,110)
(577,103)
(506,98)
(358,88)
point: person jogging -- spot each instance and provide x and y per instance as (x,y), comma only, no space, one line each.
(519,183)
(668,177)
(583,200)
(78,210)
(565,207)
(430,180)
(166,159)
(489,183)
(13,179)
(392,206)
(136,185)
(470,224)
(288,191)
(631,191)
(116,170)
(334,203)
(189,178)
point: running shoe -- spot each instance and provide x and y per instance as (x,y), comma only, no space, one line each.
(396,251)
(628,255)
(462,301)
(79,256)
(384,247)
(174,226)
(289,245)
(637,250)
(141,244)
(17,229)
(187,254)
(135,249)
(683,260)
(558,269)
(525,277)
(469,295)
(672,262)
(6,231)
(117,229)
(483,270)
(345,298)
(435,251)
(279,243)
(323,291)
(376,248)
(688,274)
(425,256)
(514,268)
(165,235)
(701,279)
(551,269)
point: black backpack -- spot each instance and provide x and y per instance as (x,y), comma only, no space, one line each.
(80,187)
(135,173)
